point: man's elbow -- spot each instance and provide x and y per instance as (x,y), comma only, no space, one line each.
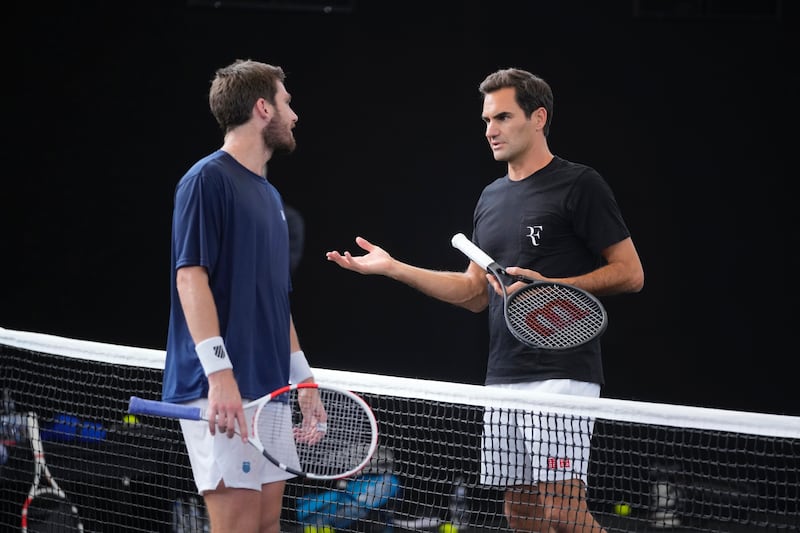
(475,307)
(636,282)
(477,303)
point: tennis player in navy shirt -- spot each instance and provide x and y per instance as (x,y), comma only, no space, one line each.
(231,337)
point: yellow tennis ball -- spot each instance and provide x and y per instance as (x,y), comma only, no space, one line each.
(447,527)
(315,529)
(130,419)
(622,509)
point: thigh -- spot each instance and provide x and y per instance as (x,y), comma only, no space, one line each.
(523,507)
(232,509)
(236,509)
(271,506)
(558,446)
(504,458)
(523,447)
(218,459)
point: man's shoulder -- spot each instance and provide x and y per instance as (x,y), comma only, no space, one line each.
(566,165)
(211,166)
(574,173)
(497,183)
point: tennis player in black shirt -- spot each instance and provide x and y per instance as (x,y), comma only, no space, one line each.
(556,220)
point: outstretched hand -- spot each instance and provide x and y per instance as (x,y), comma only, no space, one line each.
(375,261)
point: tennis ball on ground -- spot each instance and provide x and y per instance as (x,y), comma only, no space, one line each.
(130,419)
(320,529)
(622,509)
(447,527)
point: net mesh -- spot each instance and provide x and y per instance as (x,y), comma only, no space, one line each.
(652,466)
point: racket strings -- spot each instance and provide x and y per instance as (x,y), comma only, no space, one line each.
(554,316)
(50,509)
(346,438)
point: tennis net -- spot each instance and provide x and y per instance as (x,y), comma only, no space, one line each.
(652,467)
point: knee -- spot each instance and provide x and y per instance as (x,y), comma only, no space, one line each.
(525,516)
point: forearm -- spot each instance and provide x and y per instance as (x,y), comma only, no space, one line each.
(605,281)
(299,369)
(467,289)
(622,272)
(464,289)
(200,312)
(600,282)
(294,341)
(197,303)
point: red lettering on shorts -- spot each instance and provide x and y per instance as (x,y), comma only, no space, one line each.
(558,463)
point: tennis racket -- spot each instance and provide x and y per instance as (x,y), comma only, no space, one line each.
(542,314)
(46,506)
(335,446)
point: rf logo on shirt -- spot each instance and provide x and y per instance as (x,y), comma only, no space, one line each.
(534,233)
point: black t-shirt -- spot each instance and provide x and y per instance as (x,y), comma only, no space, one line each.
(556,221)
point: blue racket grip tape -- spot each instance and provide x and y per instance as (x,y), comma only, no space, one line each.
(140,406)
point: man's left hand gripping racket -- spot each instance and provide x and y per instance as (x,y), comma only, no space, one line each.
(334,448)
(542,314)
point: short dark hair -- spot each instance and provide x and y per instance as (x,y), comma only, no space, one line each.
(236,87)
(532,92)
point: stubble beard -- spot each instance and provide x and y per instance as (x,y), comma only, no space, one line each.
(278,137)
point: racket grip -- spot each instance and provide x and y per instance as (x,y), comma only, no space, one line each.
(140,406)
(469,249)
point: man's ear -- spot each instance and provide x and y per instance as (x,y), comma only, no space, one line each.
(262,109)
(540,116)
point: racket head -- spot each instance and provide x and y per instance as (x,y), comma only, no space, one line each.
(49,510)
(554,316)
(338,448)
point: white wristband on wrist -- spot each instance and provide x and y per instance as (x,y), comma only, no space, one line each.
(298,367)
(213,355)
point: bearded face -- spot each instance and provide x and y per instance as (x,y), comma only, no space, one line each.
(278,134)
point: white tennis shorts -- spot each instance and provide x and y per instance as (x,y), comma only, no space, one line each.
(215,458)
(524,447)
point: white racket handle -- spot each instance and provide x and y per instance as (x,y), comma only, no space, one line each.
(469,249)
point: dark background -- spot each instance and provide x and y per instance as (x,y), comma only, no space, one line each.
(686,108)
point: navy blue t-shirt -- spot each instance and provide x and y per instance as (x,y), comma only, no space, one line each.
(556,221)
(232,222)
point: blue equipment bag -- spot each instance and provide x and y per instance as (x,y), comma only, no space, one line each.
(340,508)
